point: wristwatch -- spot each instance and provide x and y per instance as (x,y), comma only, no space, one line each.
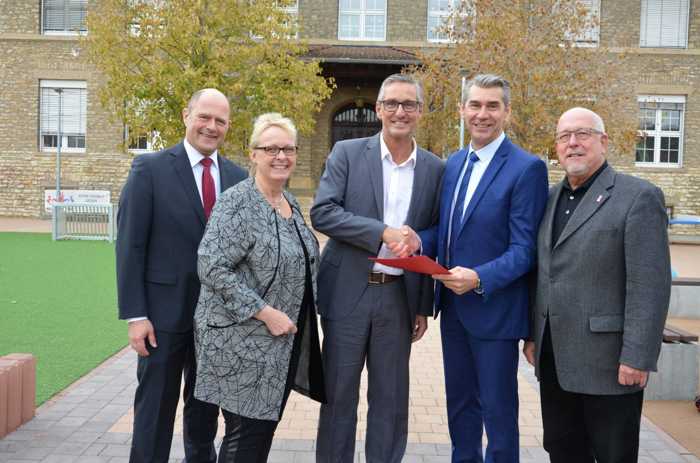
(478,290)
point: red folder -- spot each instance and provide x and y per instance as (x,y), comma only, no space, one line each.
(418,264)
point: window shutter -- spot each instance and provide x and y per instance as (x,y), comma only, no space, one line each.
(664,23)
(73,114)
(54,15)
(49,111)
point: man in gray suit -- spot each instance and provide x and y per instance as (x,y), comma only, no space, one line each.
(374,191)
(601,297)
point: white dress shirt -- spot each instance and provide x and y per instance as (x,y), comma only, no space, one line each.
(197,169)
(485,154)
(398,187)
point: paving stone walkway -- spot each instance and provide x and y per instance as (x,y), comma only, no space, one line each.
(91,421)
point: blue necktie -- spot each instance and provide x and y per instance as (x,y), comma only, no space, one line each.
(461,194)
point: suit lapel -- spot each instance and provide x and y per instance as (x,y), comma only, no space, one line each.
(182,166)
(595,197)
(495,165)
(419,178)
(548,219)
(225,174)
(373,156)
(451,176)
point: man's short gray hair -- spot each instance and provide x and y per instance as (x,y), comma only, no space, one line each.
(487,81)
(401,78)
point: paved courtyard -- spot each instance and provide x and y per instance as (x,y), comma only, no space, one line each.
(90,422)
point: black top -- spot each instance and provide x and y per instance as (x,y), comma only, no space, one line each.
(569,200)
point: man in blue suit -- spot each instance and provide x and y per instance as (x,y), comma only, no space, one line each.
(163,210)
(492,199)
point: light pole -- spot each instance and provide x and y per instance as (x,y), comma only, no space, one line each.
(58,145)
(461,119)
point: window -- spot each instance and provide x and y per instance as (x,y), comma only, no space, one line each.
(64,16)
(362,20)
(63,112)
(292,9)
(590,36)
(142,142)
(660,130)
(664,23)
(438,14)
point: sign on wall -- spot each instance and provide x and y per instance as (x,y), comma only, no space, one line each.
(75,196)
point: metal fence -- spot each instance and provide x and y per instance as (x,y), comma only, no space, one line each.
(83,222)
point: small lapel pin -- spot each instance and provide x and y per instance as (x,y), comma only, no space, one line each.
(599,198)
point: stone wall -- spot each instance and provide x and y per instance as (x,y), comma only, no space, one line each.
(29,57)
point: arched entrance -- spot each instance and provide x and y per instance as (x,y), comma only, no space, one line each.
(352,121)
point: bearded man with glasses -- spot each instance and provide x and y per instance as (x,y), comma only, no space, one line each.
(600,299)
(374,191)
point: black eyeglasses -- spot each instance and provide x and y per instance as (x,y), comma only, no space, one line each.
(579,134)
(392,105)
(275,150)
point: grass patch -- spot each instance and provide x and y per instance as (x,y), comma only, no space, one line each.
(58,301)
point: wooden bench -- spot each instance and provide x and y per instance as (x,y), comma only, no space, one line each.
(674,334)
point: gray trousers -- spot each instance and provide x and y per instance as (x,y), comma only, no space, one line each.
(378,331)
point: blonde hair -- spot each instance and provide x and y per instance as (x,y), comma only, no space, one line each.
(267,120)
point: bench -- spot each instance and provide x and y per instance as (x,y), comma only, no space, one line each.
(677,375)
(674,334)
(83,222)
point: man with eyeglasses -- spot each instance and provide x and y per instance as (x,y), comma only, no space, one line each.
(374,191)
(600,299)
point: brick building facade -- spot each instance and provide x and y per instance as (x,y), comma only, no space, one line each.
(359,43)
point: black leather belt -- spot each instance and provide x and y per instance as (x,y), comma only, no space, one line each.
(379,278)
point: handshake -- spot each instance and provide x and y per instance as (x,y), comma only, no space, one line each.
(402,242)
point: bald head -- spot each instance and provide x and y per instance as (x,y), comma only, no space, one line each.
(581,144)
(208,92)
(206,119)
(578,112)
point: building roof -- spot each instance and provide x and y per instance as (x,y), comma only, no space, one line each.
(362,54)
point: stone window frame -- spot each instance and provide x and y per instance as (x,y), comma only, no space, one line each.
(660,107)
(73,132)
(667,21)
(362,12)
(68,7)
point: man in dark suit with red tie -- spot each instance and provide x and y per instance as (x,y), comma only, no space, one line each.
(163,210)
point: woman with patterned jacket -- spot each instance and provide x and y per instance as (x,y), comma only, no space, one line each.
(256,336)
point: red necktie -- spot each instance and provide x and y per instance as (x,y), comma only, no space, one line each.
(208,188)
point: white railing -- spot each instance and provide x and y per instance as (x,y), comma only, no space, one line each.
(76,221)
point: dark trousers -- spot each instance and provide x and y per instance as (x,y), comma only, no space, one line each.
(377,331)
(481,385)
(246,440)
(159,376)
(583,428)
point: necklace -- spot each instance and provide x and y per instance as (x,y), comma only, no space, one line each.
(278,204)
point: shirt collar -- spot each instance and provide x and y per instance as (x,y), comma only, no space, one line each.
(489,151)
(387,154)
(195,156)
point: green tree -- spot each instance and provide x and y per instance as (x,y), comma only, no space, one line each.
(155,53)
(546,49)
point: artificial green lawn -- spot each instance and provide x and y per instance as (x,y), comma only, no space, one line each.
(58,302)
